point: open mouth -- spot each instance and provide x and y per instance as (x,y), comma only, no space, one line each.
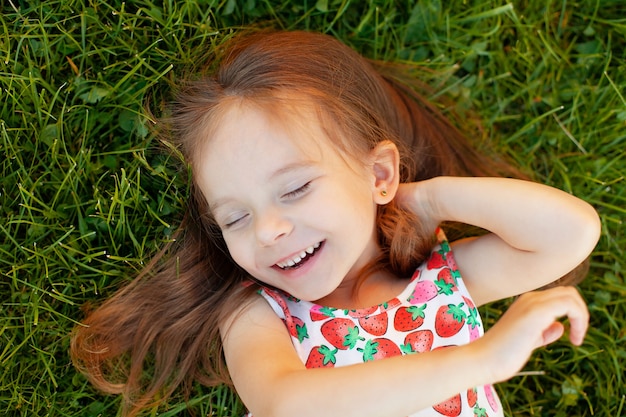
(300,259)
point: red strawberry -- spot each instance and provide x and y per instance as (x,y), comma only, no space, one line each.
(472,396)
(375,325)
(297,328)
(473,320)
(447,281)
(409,318)
(392,303)
(451,407)
(415,275)
(341,333)
(449,320)
(468,301)
(319,313)
(361,312)
(321,357)
(437,260)
(379,349)
(420,341)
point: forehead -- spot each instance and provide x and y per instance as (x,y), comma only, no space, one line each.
(249,143)
(246,127)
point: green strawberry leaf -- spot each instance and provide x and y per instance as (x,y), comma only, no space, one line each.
(329,355)
(444,287)
(352,338)
(302,332)
(457,312)
(370,349)
(416,311)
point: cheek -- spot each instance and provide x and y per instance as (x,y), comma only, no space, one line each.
(237,248)
(349,208)
(358,199)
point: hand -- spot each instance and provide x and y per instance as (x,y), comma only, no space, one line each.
(414,197)
(531,322)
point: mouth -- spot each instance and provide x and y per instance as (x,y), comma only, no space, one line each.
(300,259)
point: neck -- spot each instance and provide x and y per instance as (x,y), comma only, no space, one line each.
(377,288)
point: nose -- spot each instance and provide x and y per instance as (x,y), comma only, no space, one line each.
(271,226)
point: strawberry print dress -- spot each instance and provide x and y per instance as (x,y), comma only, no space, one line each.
(434,311)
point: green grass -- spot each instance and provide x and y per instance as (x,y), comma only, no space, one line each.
(86,196)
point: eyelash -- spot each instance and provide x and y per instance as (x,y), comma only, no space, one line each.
(298,191)
(234,222)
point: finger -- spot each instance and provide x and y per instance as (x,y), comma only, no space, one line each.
(578,318)
(557,303)
(553,333)
(578,329)
(577,314)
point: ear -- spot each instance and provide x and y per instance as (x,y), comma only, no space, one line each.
(385,165)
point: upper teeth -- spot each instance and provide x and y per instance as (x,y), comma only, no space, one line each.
(299,257)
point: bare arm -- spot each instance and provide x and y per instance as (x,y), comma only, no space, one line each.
(272,381)
(539,233)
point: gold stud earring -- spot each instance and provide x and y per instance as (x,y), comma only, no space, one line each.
(383,193)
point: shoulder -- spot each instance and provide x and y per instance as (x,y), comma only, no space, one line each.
(253,311)
(257,348)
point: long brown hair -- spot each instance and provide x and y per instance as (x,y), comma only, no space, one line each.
(167,319)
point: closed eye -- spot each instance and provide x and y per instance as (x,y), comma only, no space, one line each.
(297,192)
(233,222)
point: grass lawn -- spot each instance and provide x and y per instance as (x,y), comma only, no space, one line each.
(86,196)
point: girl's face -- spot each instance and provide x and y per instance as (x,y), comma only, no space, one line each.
(294,213)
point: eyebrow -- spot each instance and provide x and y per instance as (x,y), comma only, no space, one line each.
(295,166)
(289,168)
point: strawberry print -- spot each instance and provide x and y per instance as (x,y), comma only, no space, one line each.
(470,304)
(319,313)
(424,292)
(295,325)
(420,341)
(474,333)
(391,304)
(415,275)
(451,261)
(472,396)
(437,260)
(473,320)
(480,412)
(381,348)
(297,328)
(447,281)
(449,320)
(445,248)
(321,357)
(375,325)
(444,287)
(361,312)
(451,407)
(434,311)
(491,397)
(409,318)
(342,333)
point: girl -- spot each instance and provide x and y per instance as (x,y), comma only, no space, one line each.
(312,243)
